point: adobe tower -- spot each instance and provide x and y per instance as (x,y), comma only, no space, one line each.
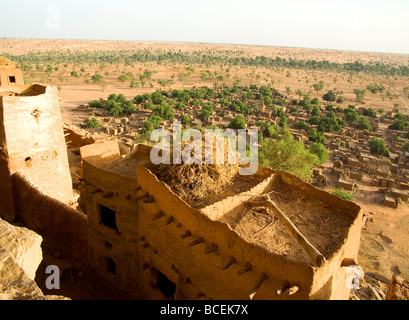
(31,138)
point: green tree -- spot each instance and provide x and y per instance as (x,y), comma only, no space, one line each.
(185,119)
(300,125)
(164,111)
(75,74)
(204,115)
(405,147)
(271,131)
(315,136)
(378,147)
(360,94)
(157,98)
(93,123)
(124,78)
(364,124)
(128,107)
(399,125)
(288,155)
(318,86)
(237,122)
(369,112)
(320,151)
(330,96)
(340,99)
(351,115)
(97,78)
(330,125)
(96,104)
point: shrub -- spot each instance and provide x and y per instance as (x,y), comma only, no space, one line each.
(185,119)
(377,146)
(93,123)
(300,125)
(164,111)
(329,96)
(320,151)
(289,155)
(339,192)
(271,131)
(96,104)
(405,147)
(399,125)
(370,113)
(237,122)
(363,124)
(315,136)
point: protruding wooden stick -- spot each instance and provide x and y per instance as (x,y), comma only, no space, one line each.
(229,263)
(281,289)
(293,290)
(246,268)
(253,291)
(158,215)
(211,249)
(265,201)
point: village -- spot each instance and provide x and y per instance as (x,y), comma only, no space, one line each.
(122,207)
(351,164)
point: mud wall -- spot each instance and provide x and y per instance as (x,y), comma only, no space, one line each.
(61,227)
(6,73)
(112,211)
(160,247)
(159,239)
(331,280)
(74,139)
(33,142)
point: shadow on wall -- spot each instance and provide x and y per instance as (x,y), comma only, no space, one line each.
(62,227)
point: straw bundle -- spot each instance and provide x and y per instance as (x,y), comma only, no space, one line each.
(194,182)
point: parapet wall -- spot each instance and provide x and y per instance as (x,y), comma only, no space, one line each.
(158,238)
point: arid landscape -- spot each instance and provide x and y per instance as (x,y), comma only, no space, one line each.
(383,248)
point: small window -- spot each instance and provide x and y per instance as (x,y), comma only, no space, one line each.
(12,79)
(108,217)
(167,287)
(111,266)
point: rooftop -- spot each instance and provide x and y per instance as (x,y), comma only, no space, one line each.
(4,62)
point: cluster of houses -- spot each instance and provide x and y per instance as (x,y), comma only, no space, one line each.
(349,148)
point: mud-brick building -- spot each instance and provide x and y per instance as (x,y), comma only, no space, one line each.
(147,241)
(10,76)
(31,138)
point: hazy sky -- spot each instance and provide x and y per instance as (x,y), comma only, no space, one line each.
(373,25)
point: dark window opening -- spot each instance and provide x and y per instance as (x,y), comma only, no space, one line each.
(108,217)
(12,79)
(108,245)
(28,161)
(111,266)
(167,287)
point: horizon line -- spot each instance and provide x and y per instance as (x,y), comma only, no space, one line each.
(214,43)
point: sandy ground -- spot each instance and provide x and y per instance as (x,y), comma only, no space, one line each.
(385,236)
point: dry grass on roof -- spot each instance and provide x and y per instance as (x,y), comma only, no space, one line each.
(6,62)
(194,182)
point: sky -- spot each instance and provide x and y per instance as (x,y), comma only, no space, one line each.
(359,25)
